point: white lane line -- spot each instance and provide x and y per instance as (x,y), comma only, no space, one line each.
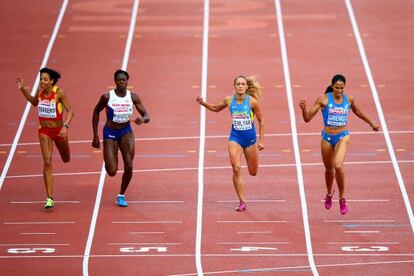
(255,201)
(144,243)
(254,232)
(37,222)
(359,220)
(33,92)
(166,138)
(353,242)
(361,232)
(365,200)
(34,244)
(251,221)
(295,141)
(155,201)
(146,233)
(384,126)
(229,243)
(211,168)
(287,268)
(200,170)
(149,222)
(36,202)
(38,233)
(85,263)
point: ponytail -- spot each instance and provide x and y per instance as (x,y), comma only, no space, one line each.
(254,88)
(335,78)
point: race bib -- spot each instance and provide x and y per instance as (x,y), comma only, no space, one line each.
(242,121)
(47,109)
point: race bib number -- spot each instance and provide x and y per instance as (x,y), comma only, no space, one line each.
(47,109)
(122,113)
(242,121)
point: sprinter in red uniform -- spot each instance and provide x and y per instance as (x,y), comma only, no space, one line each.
(50,101)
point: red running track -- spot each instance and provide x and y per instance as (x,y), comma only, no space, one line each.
(156,234)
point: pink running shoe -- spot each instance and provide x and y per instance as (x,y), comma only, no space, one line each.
(241,207)
(343,207)
(328,201)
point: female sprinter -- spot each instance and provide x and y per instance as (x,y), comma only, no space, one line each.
(335,105)
(117,133)
(50,101)
(244,107)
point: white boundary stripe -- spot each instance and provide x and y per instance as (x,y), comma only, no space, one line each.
(380,112)
(166,138)
(200,194)
(212,168)
(288,86)
(86,255)
(34,88)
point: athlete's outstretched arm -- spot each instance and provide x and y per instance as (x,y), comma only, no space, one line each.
(145,118)
(103,101)
(309,114)
(258,114)
(214,107)
(33,100)
(361,115)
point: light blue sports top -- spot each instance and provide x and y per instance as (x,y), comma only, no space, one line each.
(241,114)
(336,115)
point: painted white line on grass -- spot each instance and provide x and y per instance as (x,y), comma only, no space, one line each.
(295,141)
(200,175)
(381,116)
(85,263)
(33,92)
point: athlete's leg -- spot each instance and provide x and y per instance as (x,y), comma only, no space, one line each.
(63,147)
(340,152)
(252,159)
(46,145)
(110,156)
(235,152)
(127,147)
(327,151)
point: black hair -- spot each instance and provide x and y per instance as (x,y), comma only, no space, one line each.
(334,80)
(118,72)
(53,74)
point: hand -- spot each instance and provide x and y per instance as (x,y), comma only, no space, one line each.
(95,142)
(19,81)
(302,103)
(139,121)
(63,132)
(200,99)
(375,127)
(260,146)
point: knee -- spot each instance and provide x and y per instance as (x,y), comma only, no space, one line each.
(128,167)
(253,171)
(339,167)
(110,170)
(236,170)
(47,164)
(329,171)
(66,159)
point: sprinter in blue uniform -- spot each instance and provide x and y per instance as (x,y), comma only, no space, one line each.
(244,108)
(335,106)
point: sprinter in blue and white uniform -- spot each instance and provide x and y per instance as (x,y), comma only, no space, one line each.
(335,106)
(244,109)
(117,132)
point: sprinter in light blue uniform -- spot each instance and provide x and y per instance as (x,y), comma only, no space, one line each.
(244,107)
(335,106)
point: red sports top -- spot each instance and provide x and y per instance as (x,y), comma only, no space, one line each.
(50,108)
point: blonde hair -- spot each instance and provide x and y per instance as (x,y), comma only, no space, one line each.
(254,88)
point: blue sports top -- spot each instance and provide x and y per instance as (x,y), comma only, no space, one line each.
(241,114)
(336,115)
